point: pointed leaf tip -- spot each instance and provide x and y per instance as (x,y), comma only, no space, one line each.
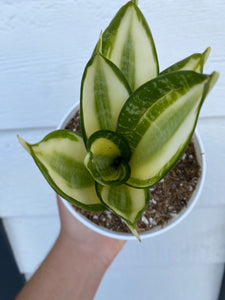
(126,202)
(104,90)
(99,44)
(205,55)
(24,144)
(60,156)
(212,79)
(215,75)
(194,62)
(128,43)
(134,231)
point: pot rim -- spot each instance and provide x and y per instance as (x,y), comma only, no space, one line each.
(158,229)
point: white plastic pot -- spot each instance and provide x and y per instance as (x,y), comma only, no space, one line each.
(158,229)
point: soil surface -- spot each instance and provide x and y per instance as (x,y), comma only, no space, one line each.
(167,198)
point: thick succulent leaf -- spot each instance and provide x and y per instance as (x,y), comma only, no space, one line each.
(107,158)
(158,121)
(104,90)
(213,79)
(60,158)
(194,62)
(128,43)
(125,201)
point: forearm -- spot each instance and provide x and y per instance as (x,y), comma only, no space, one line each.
(66,273)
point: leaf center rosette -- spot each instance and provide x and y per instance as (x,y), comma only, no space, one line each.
(107,158)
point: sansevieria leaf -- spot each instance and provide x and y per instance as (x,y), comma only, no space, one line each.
(158,121)
(194,62)
(104,90)
(128,43)
(136,122)
(108,154)
(60,158)
(125,201)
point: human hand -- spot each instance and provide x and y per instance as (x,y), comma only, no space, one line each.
(89,242)
(74,267)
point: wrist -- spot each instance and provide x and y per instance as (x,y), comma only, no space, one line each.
(101,251)
(78,265)
(88,254)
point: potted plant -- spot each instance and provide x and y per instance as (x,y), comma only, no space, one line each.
(136,123)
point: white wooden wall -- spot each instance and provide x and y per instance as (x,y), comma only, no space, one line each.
(44,45)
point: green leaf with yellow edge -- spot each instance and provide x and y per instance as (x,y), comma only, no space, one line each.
(125,201)
(158,121)
(104,91)
(60,158)
(107,158)
(128,43)
(194,62)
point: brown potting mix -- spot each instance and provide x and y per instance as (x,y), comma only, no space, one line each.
(167,197)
